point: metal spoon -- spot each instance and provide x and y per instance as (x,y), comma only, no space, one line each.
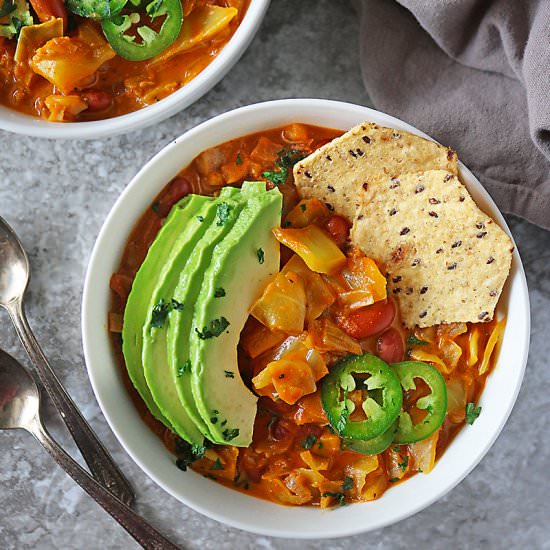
(14,278)
(20,408)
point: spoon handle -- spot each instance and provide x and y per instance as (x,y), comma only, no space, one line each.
(144,533)
(96,456)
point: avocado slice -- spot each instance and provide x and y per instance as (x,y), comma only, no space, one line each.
(137,306)
(161,304)
(178,398)
(239,269)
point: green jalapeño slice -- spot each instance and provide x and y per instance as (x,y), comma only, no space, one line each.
(152,42)
(381,394)
(435,403)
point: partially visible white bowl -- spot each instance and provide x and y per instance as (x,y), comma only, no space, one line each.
(20,123)
(210,498)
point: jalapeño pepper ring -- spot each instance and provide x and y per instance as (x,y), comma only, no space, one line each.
(381,412)
(435,403)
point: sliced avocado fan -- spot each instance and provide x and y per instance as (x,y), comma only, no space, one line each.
(240,267)
(178,285)
(137,306)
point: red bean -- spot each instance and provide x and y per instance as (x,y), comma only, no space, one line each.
(367,321)
(179,187)
(390,346)
(338,227)
(97,100)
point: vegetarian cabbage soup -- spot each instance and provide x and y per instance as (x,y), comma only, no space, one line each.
(81,60)
(309,316)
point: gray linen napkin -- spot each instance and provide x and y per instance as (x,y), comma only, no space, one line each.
(475,75)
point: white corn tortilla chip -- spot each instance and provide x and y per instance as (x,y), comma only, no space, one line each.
(446,260)
(339,172)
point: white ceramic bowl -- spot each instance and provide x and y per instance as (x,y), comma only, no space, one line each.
(24,124)
(210,498)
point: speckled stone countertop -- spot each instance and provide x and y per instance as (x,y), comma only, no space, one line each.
(56,196)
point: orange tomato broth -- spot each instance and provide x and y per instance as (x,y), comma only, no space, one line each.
(282,431)
(124,86)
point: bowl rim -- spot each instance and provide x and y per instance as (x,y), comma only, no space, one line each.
(20,123)
(91,333)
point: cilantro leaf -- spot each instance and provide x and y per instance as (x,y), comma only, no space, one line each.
(403,465)
(177,305)
(348,483)
(340,497)
(412,340)
(159,313)
(228,434)
(186,367)
(472,413)
(214,329)
(238,160)
(217,465)
(309,441)
(344,415)
(277,176)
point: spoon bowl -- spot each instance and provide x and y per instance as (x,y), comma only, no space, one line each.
(14,278)
(19,397)
(20,408)
(14,266)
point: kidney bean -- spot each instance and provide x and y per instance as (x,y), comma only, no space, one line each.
(390,346)
(97,100)
(338,227)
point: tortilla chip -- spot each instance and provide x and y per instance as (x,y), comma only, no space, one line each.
(446,260)
(339,172)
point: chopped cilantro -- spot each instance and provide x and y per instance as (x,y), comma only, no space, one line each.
(277,176)
(159,313)
(223,213)
(200,218)
(303,207)
(217,465)
(320,445)
(186,367)
(289,158)
(238,160)
(396,449)
(393,479)
(219,292)
(155,207)
(412,340)
(261,255)
(340,497)
(187,454)
(197,450)
(344,415)
(214,329)
(309,441)
(177,305)
(472,413)
(229,374)
(228,434)
(348,483)
(403,465)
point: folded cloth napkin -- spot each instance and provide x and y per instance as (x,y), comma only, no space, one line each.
(475,75)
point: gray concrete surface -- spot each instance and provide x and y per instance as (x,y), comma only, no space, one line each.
(57,194)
